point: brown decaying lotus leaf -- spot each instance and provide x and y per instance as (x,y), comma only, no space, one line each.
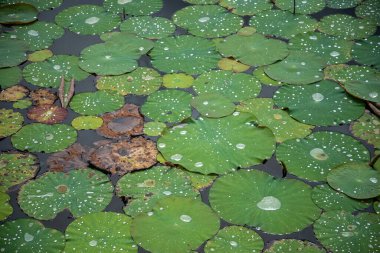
(74,157)
(43,97)
(122,123)
(14,93)
(125,155)
(47,114)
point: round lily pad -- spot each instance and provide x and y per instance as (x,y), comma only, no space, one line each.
(43,97)
(213,105)
(185,53)
(282,23)
(202,1)
(217,145)
(254,50)
(10,77)
(301,6)
(292,245)
(305,103)
(100,232)
(154,128)
(342,4)
(37,137)
(49,73)
(244,8)
(141,81)
(260,75)
(356,180)
(87,19)
(254,198)
(340,231)
(369,9)
(168,106)
(81,191)
(20,13)
(39,4)
(236,87)
(47,114)
(148,27)
(233,65)
(40,55)
(5,208)
(12,52)
(10,122)
(367,128)
(13,93)
(133,7)
(87,122)
(75,156)
(22,104)
(282,125)
(145,188)
(346,27)
(367,51)
(98,102)
(179,80)
(313,157)
(171,224)
(235,239)
(27,235)
(207,21)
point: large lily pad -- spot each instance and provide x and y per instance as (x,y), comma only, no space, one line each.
(254,198)
(100,232)
(217,145)
(20,13)
(294,246)
(10,122)
(148,27)
(81,191)
(249,7)
(213,105)
(367,51)
(37,137)
(179,80)
(301,7)
(133,8)
(369,9)
(313,157)
(47,114)
(170,226)
(342,4)
(12,52)
(41,5)
(9,77)
(5,208)
(367,128)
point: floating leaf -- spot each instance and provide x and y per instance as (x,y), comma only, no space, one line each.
(41,5)
(148,27)
(133,8)
(198,180)
(367,128)
(12,52)
(292,245)
(217,145)
(154,128)
(170,226)
(10,122)
(260,75)
(254,198)
(22,104)
(369,9)
(19,13)
(47,114)
(37,137)
(13,93)
(314,156)
(246,31)
(87,122)
(75,156)
(233,65)
(5,208)
(244,8)
(10,77)
(40,55)
(213,105)
(342,4)
(177,80)
(301,7)
(367,51)
(81,191)
(202,1)
(43,97)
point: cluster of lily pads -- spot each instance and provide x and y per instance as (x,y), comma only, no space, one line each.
(203,128)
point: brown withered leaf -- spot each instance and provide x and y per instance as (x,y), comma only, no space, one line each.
(14,93)
(43,97)
(73,157)
(47,114)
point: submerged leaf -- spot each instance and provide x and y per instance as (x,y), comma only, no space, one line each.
(75,156)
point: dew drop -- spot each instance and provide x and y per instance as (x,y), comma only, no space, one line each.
(123,1)
(33,33)
(28,237)
(93,243)
(176,157)
(233,243)
(92,20)
(319,154)
(56,67)
(107,57)
(313,37)
(347,234)
(161,145)
(334,54)
(240,146)
(373,180)
(150,213)
(167,193)
(185,218)
(204,19)
(317,97)
(199,164)
(205,102)
(269,203)
(49,137)
(373,94)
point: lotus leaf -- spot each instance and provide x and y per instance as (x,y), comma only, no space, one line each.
(128,40)
(43,97)
(202,1)
(154,128)
(47,114)
(313,157)
(40,55)
(217,145)
(75,156)
(369,9)
(87,122)
(198,180)
(133,8)
(260,75)
(179,80)
(294,246)
(10,122)
(5,208)
(22,104)
(255,198)
(367,51)
(246,31)
(10,77)
(244,8)
(367,128)
(13,93)
(233,65)
(170,226)
(19,13)
(213,105)
(12,52)
(41,5)
(342,4)
(301,7)
(148,27)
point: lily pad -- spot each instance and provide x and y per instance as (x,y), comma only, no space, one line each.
(87,19)
(179,80)
(22,104)
(37,137)
(198,180)
(301,7)
(213,105)
(10,122)
(340,231)
(367,51)
(98,102)
(100,232)
(171,224)
(369,9)
(260,75)
(154,128)
(244,8)
(10,77)
(233,65)
(12,52)
(13,93)
(81,191)
(75,156)
(41,5)
(167,106)
(202,1)
(235,239)
(208,21)
(87,122)
(148,27)
(185,53)
(294,246)
(15,14)
(27,235)
(43,97)
(217,145)
(255,198)
(367,128)
(254,50)
(133,8)
(47,114)
(342,4)
(313,157)
(40,55)
(5,208)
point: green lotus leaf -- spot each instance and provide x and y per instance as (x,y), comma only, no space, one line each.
(282,125)
(235,239)
(141,81)
(14,93)
(10,122)
(41,5)
(236,87)
(282,23)
(301,7)
(5,208)
(133,8)
(198,180)
(213,105)
(254,50)
(244,8)
(313,157)
(10,77)
(202,1)
(369,9)
(127,40)
(168,106)
(145,188)
(38,35)
(255,198)
(179,80)
(356,180)
(87,122)
(367,51)
(98,102)
(12,52)
(185,53)
(346,27)
(22,104)
(342,4)
(81,191)
(148,27)
(294,246)
(49,73)
(298,68)
(171,225)
(19,13)
(211,146)
(329,200)
(100,232)
(87,19)
(331,49)
(154,128)
(367,128)
(233,65)
(340,231)
(37,137)
(209,21)
(260,75)
(27,235)
(40,55)
(328,97)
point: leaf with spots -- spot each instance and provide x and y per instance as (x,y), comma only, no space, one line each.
(154,128)
(87,122)
(41,5)
(301,6)
(367,51)
(5,208)
(367,128)
(370,10)
(47,114)
(198,180)
(260,75)
(148,27)
(342,4)
(43,97)
(246,7)
(10,76)
(14,93)
(202,1)
(10,122)
(233,65)
(294,246)
(75,156)
(17,14)
(12,52)
(213,105)
(133,7)
(177,80)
